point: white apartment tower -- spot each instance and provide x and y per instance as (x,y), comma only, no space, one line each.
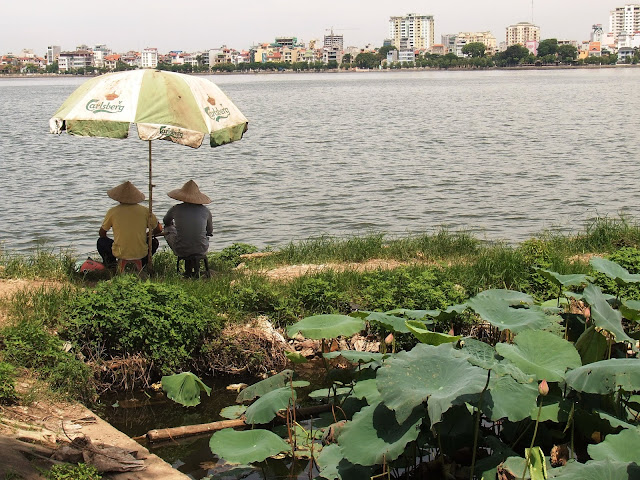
(412,31)
(52,53)
(149,58)
(521,33)
(625,19)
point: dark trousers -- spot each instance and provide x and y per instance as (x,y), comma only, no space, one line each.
(104,249)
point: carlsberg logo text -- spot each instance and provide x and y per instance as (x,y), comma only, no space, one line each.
(101,106)
(170,132)
(217,113)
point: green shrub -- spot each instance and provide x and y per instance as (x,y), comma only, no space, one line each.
(229,257)
(28,344)
(7,383)
(126,316)
(81,471)
(320,294)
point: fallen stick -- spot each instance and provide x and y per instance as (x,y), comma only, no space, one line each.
(159,435)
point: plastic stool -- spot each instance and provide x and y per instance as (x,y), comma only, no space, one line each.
(192,265)
(122,263)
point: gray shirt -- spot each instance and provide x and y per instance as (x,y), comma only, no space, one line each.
(193,225)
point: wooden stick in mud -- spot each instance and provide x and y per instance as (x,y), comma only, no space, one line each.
(190,430)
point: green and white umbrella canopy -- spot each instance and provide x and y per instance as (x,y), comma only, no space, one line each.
(163,105)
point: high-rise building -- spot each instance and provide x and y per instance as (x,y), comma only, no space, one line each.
(334,41)
(521,33)
(149,58)
(52,53)
(412,31)
(625,19)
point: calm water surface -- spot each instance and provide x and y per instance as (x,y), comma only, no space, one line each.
(504,154)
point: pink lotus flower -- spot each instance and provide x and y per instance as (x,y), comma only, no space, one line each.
(543,388)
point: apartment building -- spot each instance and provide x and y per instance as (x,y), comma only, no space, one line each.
(625,20)
(521,33)
(149,58)
(76,59)
(52,53)
(412,31)
(334,41)
(486,38)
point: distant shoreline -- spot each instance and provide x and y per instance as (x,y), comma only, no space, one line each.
(355,70)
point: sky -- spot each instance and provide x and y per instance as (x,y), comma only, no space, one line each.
(194,25)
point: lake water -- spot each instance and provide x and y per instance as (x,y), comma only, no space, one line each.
(504,154)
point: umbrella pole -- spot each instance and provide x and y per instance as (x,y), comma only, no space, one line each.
(151,227)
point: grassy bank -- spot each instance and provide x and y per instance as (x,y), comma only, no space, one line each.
(124,332)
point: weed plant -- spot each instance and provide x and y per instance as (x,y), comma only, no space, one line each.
(7,383)
(43,263)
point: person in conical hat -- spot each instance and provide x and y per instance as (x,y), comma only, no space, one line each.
(129,221)
(188,225)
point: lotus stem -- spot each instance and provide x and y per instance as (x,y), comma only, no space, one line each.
(533,440)
(477,427)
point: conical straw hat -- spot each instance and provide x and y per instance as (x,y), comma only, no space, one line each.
(126,193)
(190,193)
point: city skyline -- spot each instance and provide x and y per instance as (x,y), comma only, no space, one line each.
(154,24)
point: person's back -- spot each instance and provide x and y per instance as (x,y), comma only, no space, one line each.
(129,223)
(188,224)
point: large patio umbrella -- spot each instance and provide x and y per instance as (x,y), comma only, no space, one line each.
(163,105)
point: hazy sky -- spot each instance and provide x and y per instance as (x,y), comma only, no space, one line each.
(198,25)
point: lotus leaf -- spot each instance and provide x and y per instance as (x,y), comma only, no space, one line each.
(606,376)
(572,280)
(620,447)
(481,354)
(355,356)
(537,463)
(233,411)
(554,408)
(500,452)
(265,386)
(592,346)
(390,322)
(445,316)
(614,271)
(600,470)
(510,297)
(613,421)
(496,309)
(507,398)
(631,310)
(374,436)
(431,338)
(542,354)
(368,390)
(299,384)
(507,367)
(333,465)
(295,357)
(326,326)
(246,446)
(323,393)
(268,405)
(184,388)
(603,315)
(427,372)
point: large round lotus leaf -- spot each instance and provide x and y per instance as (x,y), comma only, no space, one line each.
(408,379)
(389,322)
(600,470)
(414,314)
(247,446)
(428,337)
(613,421)
(555,409)
(374,435)
(592,346)
(507,398)
(355,356)
(184,388)
(631,310)
(368,390)
(606,376)
(326,326)
(507,367)
(234,411)
(326,393)
(542,354)
(565,281)
(511,297)
(267,406)
(493,308)
(614,271)
(481,354)
(265,386)
(604,316)
(621,447)
(333,465)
